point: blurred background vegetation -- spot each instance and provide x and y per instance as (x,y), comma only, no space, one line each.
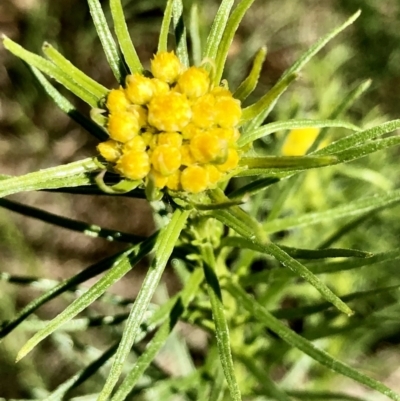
(34,134)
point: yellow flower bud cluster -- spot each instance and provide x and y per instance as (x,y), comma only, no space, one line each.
(173,128)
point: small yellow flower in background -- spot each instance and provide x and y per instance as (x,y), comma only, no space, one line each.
(299,140)
(175,129)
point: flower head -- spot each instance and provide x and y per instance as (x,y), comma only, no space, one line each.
(174,128)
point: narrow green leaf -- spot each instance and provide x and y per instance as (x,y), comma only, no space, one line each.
(320,268)
(158,341)
(180,32)
(301,312)
(195,36)
(250,83)
(293,339)
(107,40)
(163,249)
(344,105)
(359,138)
(124,39)
(298,65)
(69,175)
(58,288)
(84,374)
(323,395)
(220,47)
(89,84)
(283,162)
(266,103)
(48,68)
(166,22)
(69,109)
(121,266)
(267,129)
(219,319)
(350,209)
(252,188)
(282,257)
(270,389)
(90,230)
(244,243)
(217,30)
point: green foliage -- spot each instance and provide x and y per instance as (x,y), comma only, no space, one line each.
(215,241)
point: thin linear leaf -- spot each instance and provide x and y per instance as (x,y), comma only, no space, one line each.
(124,39)
(195,36)
(166,22)
(252,188)
(298,65)
(84,374)
(287,162)
(320,268)
(350,209)
(120,267)
(163,249)
(220,47)
(251,81)
(266,103)
(217,29)
(56,289)
(323,395)
(91,230)
(270,389)
(359,138)
(48,68)
(75,73)
(220,322)
(293,339)
(107,40)
(267,129)
(303,311)
(69,109)
(345,104)
(244,243)
(68,175)
(158,341)
(180,32)
(281,256)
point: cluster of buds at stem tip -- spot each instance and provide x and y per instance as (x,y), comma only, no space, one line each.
(174,129)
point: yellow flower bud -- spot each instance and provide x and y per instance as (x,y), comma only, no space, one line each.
(204,111)
(159,87)
(136,144)
(227,111)
(230,135)
(170,112)
(221,91)
(231,161)
(166,66)
(206,147)
(134,165)
(214,175)
(160,180)
(299,140)
(190,131)
(140,112)
(166,159)
(150,139)
(139,89)
(170,138)
(174,181)
(123,126)
(194,82)
(186,156)
(110,150)
(117,101)
(194,179)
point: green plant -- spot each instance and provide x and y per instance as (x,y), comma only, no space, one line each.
(211,240)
